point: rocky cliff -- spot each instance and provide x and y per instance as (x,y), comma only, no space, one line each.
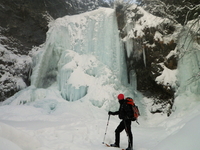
(150,43)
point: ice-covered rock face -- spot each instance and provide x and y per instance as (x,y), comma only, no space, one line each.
(189,61)
(80,51)
(24,25)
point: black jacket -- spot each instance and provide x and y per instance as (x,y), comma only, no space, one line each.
(125,110)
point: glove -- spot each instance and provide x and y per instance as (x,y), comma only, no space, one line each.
(110,113)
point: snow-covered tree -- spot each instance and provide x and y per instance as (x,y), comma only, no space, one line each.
(178,11)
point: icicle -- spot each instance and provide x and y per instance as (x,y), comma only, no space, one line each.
(144,56)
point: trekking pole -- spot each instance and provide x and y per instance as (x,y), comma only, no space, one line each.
(106,129)
(137,122)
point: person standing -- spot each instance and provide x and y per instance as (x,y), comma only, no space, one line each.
(124,114)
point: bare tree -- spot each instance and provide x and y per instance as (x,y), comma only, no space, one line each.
(178,11)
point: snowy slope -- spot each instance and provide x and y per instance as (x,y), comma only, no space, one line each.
(80,125)
(50,118)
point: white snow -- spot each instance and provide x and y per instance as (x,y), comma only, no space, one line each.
(40,118)
(19,62)
(56,124)
(168,77)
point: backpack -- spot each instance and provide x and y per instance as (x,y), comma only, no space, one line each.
(135,113)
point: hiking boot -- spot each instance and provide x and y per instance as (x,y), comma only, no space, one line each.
(114,145)
(129,148)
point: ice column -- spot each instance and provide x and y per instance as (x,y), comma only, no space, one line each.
(189,63)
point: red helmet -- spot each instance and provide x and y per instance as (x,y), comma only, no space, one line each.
(120,96)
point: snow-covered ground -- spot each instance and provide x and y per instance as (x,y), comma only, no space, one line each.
(40,118)
(60,125)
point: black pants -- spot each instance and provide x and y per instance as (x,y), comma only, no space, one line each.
(124,124)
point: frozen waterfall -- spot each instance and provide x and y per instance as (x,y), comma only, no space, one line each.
(189,63)
(82,53)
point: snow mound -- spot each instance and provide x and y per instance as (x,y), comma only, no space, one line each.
(16,139)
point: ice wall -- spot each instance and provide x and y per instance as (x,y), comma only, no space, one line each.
(78,49)
(189,61)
